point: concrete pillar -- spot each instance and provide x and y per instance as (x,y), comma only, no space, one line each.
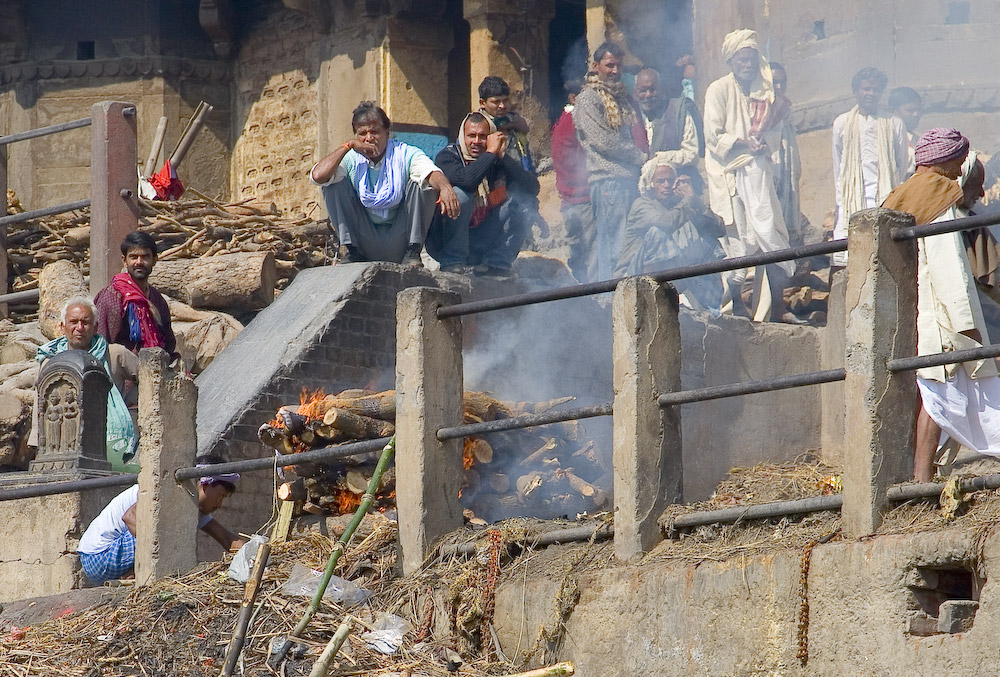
(166,513)
(428,397)
(3,229)
(881,325)
(832,350)
(114,206)
(510,39)
(414,90)
(647,438)
(596,27)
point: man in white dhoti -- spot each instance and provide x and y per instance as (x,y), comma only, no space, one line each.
(869,153)
(742,129)
(960,401)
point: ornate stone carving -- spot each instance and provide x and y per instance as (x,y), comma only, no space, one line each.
(216,19)
(73,409)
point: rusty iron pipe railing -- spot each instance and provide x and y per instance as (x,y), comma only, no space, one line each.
(751,387)
(44,131)
(941,359)
(896,494)
(568,535)
(267,463)
(526,421)
(591,288)
(950,226)
(53,488)
(44,211)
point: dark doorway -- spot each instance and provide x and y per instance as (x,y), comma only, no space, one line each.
(567,50)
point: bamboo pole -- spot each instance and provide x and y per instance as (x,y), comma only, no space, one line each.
(154,150)
(246,610)
(338,549)
(322,665)
(551,671)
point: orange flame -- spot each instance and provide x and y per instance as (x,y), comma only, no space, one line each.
(468,459)
(309,401)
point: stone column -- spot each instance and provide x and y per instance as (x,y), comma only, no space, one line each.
(3,229)
(647,438)
(505,40)
(114,206)
(166,514)
(428,397)
(596,26)
(880,406)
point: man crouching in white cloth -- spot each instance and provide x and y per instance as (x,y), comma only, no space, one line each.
(960,401)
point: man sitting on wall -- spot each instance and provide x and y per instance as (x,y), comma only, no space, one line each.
(384,208)
(107,549)
(79,327)
(130,311)
(497,197)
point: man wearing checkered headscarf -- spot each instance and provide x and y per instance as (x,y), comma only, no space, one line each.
(742,129)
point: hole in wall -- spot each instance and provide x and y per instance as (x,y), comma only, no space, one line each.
(943,598)
(85,50)
(819,29)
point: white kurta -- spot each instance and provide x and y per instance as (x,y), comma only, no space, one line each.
(740,185)
(869,152)
(963,399)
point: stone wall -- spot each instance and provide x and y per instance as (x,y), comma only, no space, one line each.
(276,112)
(56,168)
(739,616)
(38,541)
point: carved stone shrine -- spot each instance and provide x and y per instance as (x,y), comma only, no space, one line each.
(73,391)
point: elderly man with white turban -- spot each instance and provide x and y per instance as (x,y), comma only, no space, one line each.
(958,401)
(742,129)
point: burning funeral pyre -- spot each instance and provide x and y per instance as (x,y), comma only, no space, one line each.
(547,471)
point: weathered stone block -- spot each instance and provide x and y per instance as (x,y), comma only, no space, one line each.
(956,615)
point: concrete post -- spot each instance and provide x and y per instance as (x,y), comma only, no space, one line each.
(166,514)
(114,206)
(647,438)
(881,325)
(3,229)
(428,397)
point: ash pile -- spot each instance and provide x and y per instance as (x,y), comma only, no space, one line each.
(551,471)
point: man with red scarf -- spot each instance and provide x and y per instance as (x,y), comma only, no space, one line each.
(129,310)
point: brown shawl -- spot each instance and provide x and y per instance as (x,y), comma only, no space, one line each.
(926,195)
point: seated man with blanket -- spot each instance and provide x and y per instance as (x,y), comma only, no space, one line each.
(668,227)
(130,311)
(497,198)
(79,326)
(384,208)
(962,401)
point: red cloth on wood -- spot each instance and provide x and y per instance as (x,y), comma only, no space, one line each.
(166,183)
(152,336)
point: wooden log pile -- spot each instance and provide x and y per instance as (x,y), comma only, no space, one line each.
(547,471)
(183,229)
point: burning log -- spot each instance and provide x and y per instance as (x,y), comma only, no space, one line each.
(485,407)
(482,452)
(375,405)
(292,491)
(357,427)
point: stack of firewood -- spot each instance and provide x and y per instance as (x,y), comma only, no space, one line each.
(183,229)
(546,471)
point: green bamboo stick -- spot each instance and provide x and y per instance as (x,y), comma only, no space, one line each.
(338,550)
(322,666)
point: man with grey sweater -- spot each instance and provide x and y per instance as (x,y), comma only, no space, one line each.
(613,136)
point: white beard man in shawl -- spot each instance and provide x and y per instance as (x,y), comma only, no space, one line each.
(742,128)
(870,154)
(958,401)
(384,208)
